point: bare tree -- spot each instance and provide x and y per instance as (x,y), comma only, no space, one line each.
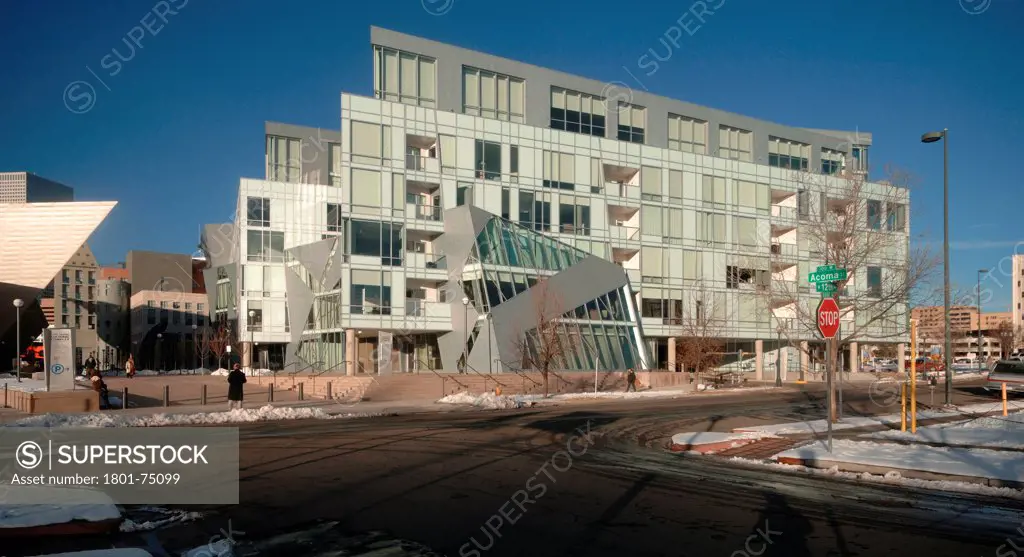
(702,319)
(857,225)
(1007,336)
(219,339)
(551,339)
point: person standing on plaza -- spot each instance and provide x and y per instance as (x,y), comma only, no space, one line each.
(236,386)
(129,367)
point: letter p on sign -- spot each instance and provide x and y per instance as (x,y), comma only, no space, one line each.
(828,317)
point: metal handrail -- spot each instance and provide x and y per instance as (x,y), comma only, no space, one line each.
(300,370)
(486,377)
(518,372)
(445,377)
(335,366)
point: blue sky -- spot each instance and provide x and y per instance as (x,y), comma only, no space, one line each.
(173,129)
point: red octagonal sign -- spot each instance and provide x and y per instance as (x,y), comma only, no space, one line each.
(828,317)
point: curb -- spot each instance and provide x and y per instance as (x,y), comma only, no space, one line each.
(823,464)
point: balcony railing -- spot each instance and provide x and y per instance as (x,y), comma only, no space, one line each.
(581,230)
(779,249)
(783,214)
(421,211)
(421,163)
(621,189)
(618,232)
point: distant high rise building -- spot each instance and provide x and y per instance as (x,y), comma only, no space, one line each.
(25,187)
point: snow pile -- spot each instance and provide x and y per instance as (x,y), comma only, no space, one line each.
(220,371)
(998,432)
(488,400)
(952,461)
(713,437)
(893,478)
(854,422)
(219,548)
(25,385)
(167,517)
(249,372)
(30,506)
(247,415)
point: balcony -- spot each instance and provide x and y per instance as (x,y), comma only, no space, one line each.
(421,211)
(784,253)
(622,189)
(629,233)
(783,215)
(579,230)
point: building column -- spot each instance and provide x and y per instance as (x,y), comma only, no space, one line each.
(671,353)
(805,358)
(854,358)
(350,352)
(784,361)
(759,359)
(901,354)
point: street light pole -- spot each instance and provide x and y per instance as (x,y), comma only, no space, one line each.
(195,347)
(160,350)
(465,359)
(18,303)
(980,271)
(252,337)
(932,137)
(778,358)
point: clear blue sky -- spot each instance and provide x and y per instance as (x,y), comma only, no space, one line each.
(183,119)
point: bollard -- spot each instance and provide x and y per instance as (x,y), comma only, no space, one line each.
(5,393)
(301,391)
(124,398)
(330,395)
(167,395)
(1004,399)
(202,396)
(903,407)
(270,393)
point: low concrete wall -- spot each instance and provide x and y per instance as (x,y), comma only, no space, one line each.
(59,401)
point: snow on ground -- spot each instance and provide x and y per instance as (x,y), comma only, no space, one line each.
(893,478)
(219,548)
(712,437)
(853,422)
(28,506)
(168,516)
(26,385)
(249,372)
(489,401)
(220,371)
(955,461)
(995,431)
(100,419)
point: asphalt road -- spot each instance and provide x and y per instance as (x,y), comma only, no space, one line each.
(504,483)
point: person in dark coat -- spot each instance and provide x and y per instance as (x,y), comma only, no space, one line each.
(101,388)
(631,380)
(90,365)
(236,380)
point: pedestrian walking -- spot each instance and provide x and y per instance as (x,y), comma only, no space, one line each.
(631,380)
(129,367)
(236,382)
(90,364)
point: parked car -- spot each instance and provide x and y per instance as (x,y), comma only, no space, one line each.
(1010,372)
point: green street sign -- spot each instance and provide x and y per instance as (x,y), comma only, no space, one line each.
(825,287)
(826,268)
(828,275)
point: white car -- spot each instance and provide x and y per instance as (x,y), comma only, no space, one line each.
(1010,372)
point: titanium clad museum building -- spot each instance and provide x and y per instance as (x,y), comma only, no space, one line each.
(472,197)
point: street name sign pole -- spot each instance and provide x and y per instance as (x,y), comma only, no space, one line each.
(825,279)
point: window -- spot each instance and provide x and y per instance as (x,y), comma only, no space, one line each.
(874,208)
(334,222)
(632,122)
(334,164)
(78,292)
(832,161)
(365,190)
(371,143)
(875,281)
(404,77)
(65,277)
(650,183)
(258,211)
(264,245)
(92,277)
(284,157)
(713,189)
(448,154)
(492,95)
(803,202)
(78,277)
(711,229)
(574,215)
(559,170)
(64,320)
(255,321)
(675,185)
(783,153)
(687,134)
(64,290)
(734,143)
(513,163)
(463,194)
(371,292)
(860,158)
(745,233)
(488,160)
(535,210)
(200,307)
(896,219)
(375,239)
(736,276)
(506,203)
(577,112)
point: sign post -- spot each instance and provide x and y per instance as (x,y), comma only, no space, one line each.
(59,359)
(826,279)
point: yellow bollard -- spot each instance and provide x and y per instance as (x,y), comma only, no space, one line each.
(497,391)
(903,407)
(1004,399)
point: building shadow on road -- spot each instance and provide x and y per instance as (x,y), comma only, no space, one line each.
(572,421)
(780,529)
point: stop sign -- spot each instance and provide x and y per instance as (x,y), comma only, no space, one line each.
(828,317)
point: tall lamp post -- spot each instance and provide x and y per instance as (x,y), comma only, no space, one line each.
(465,359)
(18,304)
(195,347)
(778,358)
(980,272)
(932,137)
(252,336)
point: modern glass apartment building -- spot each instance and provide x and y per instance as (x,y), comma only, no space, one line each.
(378,234)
